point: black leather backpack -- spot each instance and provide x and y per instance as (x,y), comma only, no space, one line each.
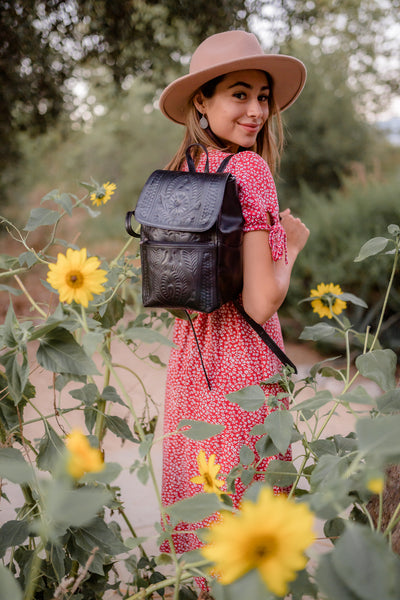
(191,242)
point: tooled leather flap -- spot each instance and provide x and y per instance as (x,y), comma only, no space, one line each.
(181,200)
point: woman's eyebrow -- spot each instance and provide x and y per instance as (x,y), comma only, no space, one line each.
(247,85)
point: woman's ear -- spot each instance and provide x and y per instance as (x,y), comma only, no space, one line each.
(198,101)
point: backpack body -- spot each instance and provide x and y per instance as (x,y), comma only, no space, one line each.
(191,239)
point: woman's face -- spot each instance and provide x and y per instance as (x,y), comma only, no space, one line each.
(238,109)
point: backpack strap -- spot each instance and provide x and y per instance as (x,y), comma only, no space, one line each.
(222,166)
(267,339)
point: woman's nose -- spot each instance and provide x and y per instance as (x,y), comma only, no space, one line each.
(255,109)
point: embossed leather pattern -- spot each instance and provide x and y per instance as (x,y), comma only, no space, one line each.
(191,240)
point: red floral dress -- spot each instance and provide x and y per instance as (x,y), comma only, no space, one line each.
(234,357)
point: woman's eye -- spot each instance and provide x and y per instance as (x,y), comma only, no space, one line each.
(263,98)
(240,95)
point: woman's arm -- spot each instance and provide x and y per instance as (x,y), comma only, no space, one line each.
(266,282)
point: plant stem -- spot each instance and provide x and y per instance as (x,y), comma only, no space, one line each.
(34,573)
(389,287)
(27,294)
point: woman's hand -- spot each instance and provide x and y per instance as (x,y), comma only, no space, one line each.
(296,232)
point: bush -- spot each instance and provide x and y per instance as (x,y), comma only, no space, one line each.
(339,225)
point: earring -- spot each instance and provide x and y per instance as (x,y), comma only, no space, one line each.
(203,122)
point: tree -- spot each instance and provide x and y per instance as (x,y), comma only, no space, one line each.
(43,42)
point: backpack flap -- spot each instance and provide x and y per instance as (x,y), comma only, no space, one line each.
(181,201)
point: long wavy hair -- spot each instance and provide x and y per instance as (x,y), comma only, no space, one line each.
(269,142)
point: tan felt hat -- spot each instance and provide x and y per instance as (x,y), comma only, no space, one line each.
(224,53)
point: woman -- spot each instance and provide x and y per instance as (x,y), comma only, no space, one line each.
(231,103)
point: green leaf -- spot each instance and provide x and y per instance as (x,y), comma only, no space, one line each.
(11,290)
(248,587)
(119,427)
(317,332)
(353,299)
(98,533)
(110,395)
(279,425)
(106,476)
(265,447)
(9,587)
(281,473)
(366,564)
(41,216)
(379,366)
(64,200)
(194,509)
(199,430)
(51,448)
(249,398)
(319,366)
(380,437)
(12,533)
(66,507)
(147,336)
(91,341)
(145,446)
(14,467)
(389,402)
(319,399)
(330,583)
(372,247)
(334,528)
(17,374)
(60,353)
(246,455)
(358,396)
(88,394)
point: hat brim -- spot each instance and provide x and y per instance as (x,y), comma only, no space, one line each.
(288,75)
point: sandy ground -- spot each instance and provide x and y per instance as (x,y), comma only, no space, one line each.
(140,502)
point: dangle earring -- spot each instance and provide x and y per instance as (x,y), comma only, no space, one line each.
(203,122)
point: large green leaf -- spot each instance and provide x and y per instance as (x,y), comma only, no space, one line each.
(98,533)
(17,374)
(281,473)
(249,398)
(9,587)
(199,430)
(12,533)
(389,402)
(14,467)
(41,216)
(119,427)
(279,425)
(380,437)
(51,448)
(194,509)
(317,332)
(59,352)
(320,398)
(372,247)
(248,587)
(66,507)
(330,583)
(379,366)
(366,565)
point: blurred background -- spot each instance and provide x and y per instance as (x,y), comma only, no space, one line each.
(79,83)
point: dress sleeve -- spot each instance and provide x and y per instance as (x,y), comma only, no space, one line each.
(257,193)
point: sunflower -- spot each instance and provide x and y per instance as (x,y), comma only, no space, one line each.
(208,474)
(103,194)
(269,535)
(82,457)
(326,303)
(76,277)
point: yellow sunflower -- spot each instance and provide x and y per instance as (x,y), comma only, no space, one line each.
(103,194)
(326,305)
(76,277)
(208,474)
(376,485)
(82,457)
(270,535)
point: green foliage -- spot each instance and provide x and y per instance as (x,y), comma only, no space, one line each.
(326,135)
(339,225)
(63,541)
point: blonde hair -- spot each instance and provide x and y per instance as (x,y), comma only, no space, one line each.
(269,142)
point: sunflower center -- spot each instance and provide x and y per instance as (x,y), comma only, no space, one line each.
(74,279)
(262,548)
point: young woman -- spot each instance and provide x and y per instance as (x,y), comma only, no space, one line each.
(231,103)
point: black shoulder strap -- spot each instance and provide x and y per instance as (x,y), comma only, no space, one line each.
(224,163)
(267,339)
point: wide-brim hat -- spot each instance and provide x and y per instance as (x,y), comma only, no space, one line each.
(224,53)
